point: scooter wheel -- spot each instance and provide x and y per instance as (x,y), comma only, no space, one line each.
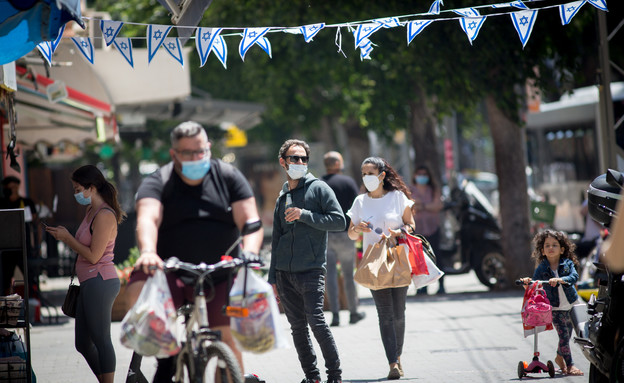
(521,372)
(551,368)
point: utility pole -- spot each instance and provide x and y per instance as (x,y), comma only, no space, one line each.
(606,132)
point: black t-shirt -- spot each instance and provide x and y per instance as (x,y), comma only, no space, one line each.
(197,222)
(345,189)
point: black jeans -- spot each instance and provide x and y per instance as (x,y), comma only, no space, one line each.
(390,304)
(302,296)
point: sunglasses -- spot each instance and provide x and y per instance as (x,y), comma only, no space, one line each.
(377,230)
(191,153)
(295,159)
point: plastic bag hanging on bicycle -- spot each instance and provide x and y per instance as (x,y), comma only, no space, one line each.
(149,327)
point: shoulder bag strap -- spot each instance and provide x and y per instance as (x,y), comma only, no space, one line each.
(71,281)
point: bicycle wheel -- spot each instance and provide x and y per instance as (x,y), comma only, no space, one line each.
(218,363)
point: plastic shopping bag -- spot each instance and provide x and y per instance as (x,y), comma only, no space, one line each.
(149,327)
(416,244)
(432,275)
(259,331)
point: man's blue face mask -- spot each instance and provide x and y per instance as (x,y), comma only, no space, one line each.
(196,170)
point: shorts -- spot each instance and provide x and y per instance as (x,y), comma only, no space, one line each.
(182,294)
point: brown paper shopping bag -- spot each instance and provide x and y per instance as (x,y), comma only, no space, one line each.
(383,266)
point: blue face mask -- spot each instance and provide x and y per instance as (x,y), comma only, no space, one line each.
(81,199)
(196,170)
(421,180)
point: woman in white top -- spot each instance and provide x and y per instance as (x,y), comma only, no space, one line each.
(384,210)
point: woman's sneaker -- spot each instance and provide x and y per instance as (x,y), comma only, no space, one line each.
(307,380)
(334,380)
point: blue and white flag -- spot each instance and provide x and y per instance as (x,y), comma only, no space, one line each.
(265,45)
(250,37)
(364,31)
(415,27)
(124,46)
(156,35)
(515,4)
(523,21)
(309,31)
(389,22)
(600,4)
(110,29)
(45,47)
(85,46)
(467,12)
(204,41)
(568,11)
(56,42)
(220,49)
(471,26)
(365,49)
(172,45)
(435,7)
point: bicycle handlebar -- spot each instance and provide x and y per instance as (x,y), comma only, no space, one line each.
(519,282)
(173,264)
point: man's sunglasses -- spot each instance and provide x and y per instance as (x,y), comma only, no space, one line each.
(295,159)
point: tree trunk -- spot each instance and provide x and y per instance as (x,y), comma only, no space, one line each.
(423,133)
(509,156)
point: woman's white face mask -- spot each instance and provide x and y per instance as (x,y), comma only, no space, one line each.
(371,182)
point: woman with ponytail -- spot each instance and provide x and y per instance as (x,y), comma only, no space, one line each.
(99,285)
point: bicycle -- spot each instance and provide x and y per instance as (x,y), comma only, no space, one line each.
(202,352)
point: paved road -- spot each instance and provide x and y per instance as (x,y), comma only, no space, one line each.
(467,335)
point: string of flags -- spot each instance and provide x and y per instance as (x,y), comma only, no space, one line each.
(211,40)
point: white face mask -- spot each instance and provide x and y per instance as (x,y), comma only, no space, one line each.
(371,182)
(296,171)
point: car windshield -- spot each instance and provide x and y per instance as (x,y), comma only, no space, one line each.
(471,189)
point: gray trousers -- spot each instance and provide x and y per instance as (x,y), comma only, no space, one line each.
(340,248)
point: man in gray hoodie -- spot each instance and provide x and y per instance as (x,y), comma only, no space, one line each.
(305,211)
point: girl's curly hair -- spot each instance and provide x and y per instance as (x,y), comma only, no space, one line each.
(568,246)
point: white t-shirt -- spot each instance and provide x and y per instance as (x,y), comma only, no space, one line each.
(383,213)
(564,305)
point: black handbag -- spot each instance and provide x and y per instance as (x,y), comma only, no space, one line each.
(71,299)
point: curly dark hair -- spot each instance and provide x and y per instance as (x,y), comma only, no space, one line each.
(565,243)
(393,180)
(89,175)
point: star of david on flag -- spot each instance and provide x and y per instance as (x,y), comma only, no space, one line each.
(364,31)
(467,12)
(435,7)
(251,36)
(156,35)
(309,31)
(110,29)
(515,4)
(85,46)
(415,27)
(523,21)
(205,39)
(124,46)
(45,47)
(600,4)
(568,11)
(471,26)
(172,45)
(389,22)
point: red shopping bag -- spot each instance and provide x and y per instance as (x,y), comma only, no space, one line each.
(416,253)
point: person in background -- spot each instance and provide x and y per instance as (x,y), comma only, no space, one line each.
(305,211)
(385,209)
(99,284)
(427,197)
(340,248)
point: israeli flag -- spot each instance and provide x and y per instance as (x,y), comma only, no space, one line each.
(415,27)
(172,45)
(57,41)
(471,26)
(389,22)
(467,12)
(110,29)
(124,46)
(265,45)
(366,49)
(156,35)
(309,31)
(45,47)
(220,49)
(250,37)
(85,46)
(364,31)
(435,7)
(523,21)
(204,41)
(515,4)
(568,11)
(600,4)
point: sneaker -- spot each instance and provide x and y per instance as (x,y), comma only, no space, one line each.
(308,380)
(394,373)
(357,317)
(334,380)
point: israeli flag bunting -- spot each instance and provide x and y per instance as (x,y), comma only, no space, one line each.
(467,12)
(204,41)
(156,35)
(110,29)
(364,31)
(45,47)
(515,4)
(568,11)
(172,45)
(523,21)
(85,46)
(471,26)
(600,4)
(220,49)
(435,7)
(265,45)
(389,22)
(366,49)
(124,46)
(415,27)
(250,37)
(56,42)
(309,31)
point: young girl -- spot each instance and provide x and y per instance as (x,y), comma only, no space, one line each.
(554,256)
